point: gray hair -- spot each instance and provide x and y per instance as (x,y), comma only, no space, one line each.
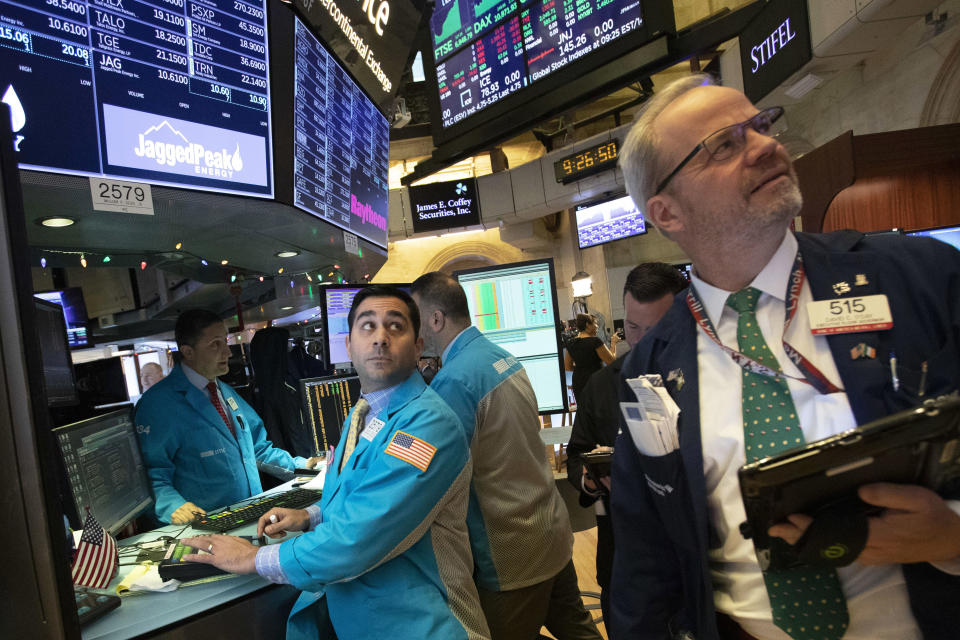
(640,159)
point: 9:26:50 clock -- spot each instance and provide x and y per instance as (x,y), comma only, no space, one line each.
(587,162)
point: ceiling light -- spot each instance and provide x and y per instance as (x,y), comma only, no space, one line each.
(83,261)
(285,308)
(57,221)
(203,262)
(179,244)
(805,85)
(289,253)
(106,258)
(224,262)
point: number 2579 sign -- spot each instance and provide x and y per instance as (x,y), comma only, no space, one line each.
(118,195)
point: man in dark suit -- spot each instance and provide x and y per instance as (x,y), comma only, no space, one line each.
(739,357)
(647,294)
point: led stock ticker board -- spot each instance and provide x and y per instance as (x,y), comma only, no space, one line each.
(486,51)
(341,144)
(165,91)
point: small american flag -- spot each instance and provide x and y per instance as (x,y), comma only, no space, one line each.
(411,449)
(95,561)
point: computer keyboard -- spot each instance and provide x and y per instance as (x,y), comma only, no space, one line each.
(251,512)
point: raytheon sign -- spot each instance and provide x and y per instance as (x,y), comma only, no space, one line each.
(371,38)
(444,205)
(774,46)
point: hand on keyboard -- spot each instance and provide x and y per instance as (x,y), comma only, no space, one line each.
(276,522)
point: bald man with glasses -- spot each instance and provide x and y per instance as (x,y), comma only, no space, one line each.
(738,356)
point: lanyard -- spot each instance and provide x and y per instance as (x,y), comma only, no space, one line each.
(811,375)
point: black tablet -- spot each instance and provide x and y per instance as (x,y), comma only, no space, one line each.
(919,446)
(598,463)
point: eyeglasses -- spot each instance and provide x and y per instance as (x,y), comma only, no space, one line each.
(729,141)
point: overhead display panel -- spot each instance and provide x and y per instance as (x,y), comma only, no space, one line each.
(341,144)
(171,92)
(371,39)
(500,66)
(529,41)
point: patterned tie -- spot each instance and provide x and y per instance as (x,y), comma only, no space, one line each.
(356,422)
(807,602)
(215,399)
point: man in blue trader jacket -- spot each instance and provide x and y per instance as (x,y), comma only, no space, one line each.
(386,554)
(200,441)
(519,527)
(704,162)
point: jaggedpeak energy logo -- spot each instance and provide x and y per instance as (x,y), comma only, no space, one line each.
(205,162)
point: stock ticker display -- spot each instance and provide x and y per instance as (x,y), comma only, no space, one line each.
(165,91)
(341,144)
(488,50)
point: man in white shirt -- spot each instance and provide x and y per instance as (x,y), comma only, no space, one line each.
(713,178)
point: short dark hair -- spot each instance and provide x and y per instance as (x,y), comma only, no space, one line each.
(191,324)
(385,291)
(443,291)
(583,321)
(652,280)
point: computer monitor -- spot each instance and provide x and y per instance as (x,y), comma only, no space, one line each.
(608,220)
(335,308)
(326,402)
(75,311)
(102,382)
(515,306)
(55,354)
(950,235)
(103,467)
(685,269)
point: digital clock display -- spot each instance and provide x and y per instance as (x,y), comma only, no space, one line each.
(587,162)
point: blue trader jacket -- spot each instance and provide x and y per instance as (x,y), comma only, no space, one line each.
(519,527)
(392,554)
(189,452)
(661,583)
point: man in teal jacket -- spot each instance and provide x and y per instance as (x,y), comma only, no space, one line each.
(519,528)
(386,554)
(200,441)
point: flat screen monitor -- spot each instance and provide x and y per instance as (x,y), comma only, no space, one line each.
(608,220)
(335,309)
(75,313)
(171,93)
(515,306)
(686,269)
(326,402)
(491,56)
(439,206)
(55,354)
(341,144)
(950,235)
(104,469)
(102,382)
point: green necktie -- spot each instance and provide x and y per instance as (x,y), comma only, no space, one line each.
(357,418)
(807,602)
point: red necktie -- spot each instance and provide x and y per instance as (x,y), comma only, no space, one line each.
(215,399)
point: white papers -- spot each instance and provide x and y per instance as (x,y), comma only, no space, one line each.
(316,482)
(145,577)
(652,419)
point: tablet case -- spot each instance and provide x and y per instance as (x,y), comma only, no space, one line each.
(919,446)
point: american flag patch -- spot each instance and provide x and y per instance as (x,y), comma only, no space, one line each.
(411,449)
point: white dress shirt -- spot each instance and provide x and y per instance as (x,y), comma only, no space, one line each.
(876,596)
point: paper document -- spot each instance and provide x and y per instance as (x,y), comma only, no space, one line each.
(652,419)
(317,481)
